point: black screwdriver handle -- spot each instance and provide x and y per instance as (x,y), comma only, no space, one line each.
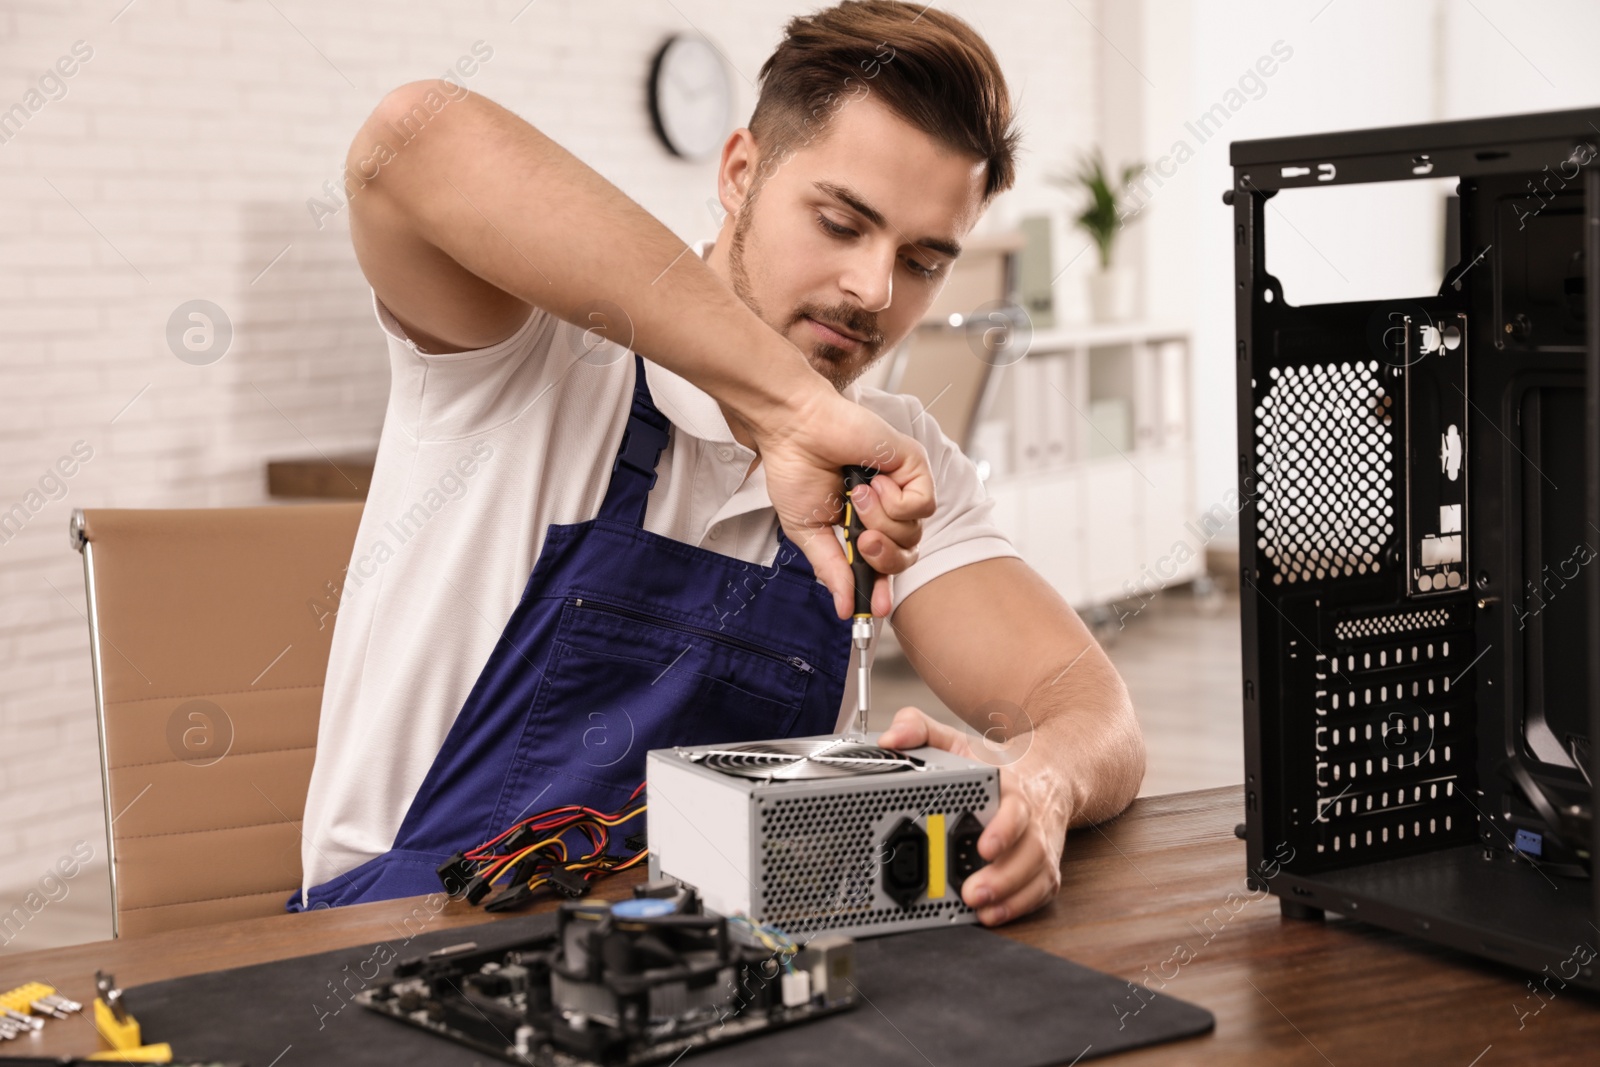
(860,569)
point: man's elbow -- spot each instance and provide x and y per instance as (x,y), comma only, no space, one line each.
(1120,750)
(1127,762)
(401,118)
(1133,757)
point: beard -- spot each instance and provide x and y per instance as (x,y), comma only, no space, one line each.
(839,366)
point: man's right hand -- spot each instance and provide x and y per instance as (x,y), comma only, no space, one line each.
(804,444)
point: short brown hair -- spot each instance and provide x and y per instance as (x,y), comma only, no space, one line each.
(927,66)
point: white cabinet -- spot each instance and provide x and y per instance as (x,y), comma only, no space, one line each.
(1113,548)
(1109,512)
(1173,543)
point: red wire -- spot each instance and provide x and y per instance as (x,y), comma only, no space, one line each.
(551,822)
(559,815)
(561,821)
(517,826)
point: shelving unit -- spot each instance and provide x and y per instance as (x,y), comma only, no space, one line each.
(1087,445)
(1085,440)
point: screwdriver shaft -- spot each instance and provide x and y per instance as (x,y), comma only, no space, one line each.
(863,576)
(861,635)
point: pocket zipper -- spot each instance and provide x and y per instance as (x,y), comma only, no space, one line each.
(728,639)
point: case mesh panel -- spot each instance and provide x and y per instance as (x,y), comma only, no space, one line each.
(820,866)
(1324,458)
(1394,734)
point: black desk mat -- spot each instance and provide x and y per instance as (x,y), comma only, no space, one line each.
(951,996)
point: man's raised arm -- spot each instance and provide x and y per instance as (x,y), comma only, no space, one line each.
(478,217)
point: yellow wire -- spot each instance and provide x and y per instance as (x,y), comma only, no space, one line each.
(499,868)
(762,934)
(620,819)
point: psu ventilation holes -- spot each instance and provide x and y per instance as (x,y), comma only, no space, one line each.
(1325,455)
(819,855)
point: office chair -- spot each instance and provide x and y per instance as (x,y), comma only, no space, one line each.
(208,636)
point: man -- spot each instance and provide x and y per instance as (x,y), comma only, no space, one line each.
(653,505)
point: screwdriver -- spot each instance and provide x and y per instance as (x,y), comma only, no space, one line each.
(860,570)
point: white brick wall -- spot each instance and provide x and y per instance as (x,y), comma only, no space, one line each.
(182,157)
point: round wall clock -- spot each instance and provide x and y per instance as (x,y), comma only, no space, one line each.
(691,99)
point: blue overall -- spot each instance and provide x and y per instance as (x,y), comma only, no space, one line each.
(623,641)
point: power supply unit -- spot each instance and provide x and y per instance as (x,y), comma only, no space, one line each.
(821,835)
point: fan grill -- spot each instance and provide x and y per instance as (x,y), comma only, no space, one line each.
(798,760)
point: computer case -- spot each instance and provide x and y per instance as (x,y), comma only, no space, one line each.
(1419,523)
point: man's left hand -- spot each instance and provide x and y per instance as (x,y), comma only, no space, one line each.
(1022,843)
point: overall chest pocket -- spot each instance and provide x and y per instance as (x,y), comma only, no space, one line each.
(622,681)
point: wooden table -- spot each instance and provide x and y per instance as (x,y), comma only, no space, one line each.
(341,477)
(1134,894)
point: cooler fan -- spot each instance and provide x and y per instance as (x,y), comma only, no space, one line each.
(807,758)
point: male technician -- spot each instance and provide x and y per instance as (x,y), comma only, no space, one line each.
(467,686)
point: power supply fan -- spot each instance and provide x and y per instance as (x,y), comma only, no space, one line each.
(804,759)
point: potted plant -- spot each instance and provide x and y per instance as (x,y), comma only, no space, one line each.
(1111,288)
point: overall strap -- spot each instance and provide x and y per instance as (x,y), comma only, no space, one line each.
(790,557)
(634,471)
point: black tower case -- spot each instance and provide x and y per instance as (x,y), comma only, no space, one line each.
(1420,520)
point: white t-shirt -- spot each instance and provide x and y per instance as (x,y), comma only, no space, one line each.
(480,452)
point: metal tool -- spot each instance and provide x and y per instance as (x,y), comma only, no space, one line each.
(105,987)
(865,577)
(120,1029)
(19,1021)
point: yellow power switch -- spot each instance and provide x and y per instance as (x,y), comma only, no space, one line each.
(936,860)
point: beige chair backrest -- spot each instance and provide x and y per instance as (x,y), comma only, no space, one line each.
(947,371)
(209,633)
(946,362)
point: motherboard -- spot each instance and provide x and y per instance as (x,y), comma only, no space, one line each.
(620,984)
